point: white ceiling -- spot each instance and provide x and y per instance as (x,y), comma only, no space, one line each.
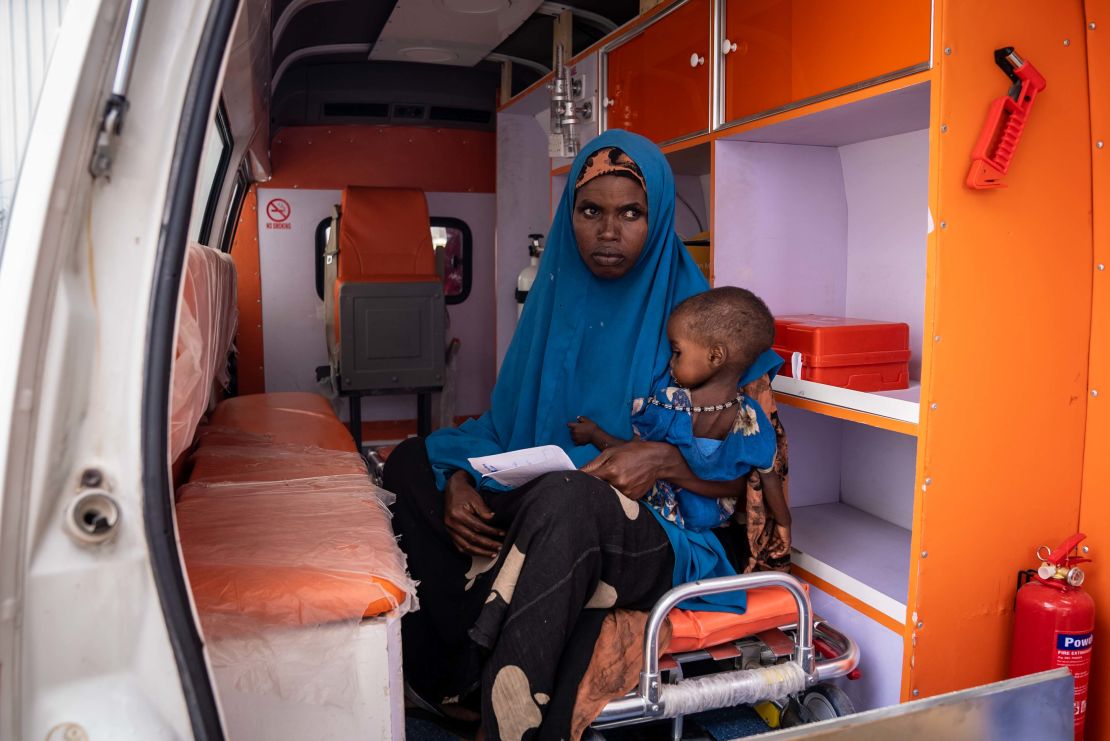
(460,32)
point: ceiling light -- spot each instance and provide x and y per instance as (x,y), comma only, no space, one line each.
(476,7)
(428,54)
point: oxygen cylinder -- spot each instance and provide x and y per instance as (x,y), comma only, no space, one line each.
(527,276)
(1054,621)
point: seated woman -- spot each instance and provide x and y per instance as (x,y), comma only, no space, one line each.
(514,585)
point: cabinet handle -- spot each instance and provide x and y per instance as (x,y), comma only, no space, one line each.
(695,60)
(608,102)
(728,46)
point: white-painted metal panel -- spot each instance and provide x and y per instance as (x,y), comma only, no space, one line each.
(460,32)
(28,32)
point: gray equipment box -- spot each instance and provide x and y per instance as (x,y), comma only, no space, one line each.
(391,336)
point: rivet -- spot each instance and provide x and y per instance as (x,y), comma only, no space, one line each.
(1099,144)
(1094,392)
(924,554)
(948,50)
(920,626)
(1101,266)
(933,405)
(928,481)
(944,128)
(1091,25)
(944,225)
(916,692)
(1086,549)
(936,338)
(1067,42)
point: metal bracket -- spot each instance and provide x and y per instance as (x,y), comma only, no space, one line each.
(115,109)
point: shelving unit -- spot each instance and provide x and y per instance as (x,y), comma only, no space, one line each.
(829,544)
(896,411)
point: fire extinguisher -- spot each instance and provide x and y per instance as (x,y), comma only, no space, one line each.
(1055,621)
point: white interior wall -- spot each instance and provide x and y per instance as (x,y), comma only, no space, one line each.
(781,224)
(293,315)
(523,207)
(833,460)
(886,185)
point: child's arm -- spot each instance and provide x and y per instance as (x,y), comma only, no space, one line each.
(585,431)
(775,500)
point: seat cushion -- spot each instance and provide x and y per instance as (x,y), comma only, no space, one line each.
(292,417)
(768,607)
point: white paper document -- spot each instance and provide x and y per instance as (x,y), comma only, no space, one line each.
(518,467)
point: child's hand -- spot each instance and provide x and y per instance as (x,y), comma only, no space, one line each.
(583,431)
(779,545)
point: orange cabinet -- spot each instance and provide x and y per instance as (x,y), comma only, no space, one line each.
(779,52)
(657,81)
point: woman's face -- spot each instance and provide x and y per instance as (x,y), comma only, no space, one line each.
(610,224)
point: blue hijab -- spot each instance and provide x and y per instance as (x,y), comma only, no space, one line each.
(584,345)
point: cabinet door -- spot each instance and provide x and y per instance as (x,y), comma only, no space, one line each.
(658,81)
(792,50)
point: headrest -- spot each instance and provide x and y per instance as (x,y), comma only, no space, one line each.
(385,234)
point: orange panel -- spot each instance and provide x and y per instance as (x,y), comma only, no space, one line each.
(791,50)
(248,340)
(432,160)
(655,90)
(1004,387)
(1094,515)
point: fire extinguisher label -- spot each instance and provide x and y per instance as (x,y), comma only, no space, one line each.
(1074,642)
(1073,650)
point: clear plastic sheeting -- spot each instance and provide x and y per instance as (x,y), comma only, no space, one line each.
(206,318)
(282,573)
(742,687)
(265,461)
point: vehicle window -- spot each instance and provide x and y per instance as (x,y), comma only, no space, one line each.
(453,237)
(214,160)
(449,234)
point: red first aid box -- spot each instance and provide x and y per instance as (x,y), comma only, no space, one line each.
(859,354)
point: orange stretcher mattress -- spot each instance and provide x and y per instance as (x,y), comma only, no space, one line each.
(768,607)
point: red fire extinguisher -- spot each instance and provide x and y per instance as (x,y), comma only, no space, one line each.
(1055,622)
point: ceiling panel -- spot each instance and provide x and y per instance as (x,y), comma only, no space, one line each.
(460,32)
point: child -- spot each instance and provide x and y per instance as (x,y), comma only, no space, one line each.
(715,337)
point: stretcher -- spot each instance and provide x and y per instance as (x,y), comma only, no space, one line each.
(776,645)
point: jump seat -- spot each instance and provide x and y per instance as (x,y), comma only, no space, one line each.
(293,568)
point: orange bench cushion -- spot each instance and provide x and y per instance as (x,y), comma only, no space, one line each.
(293,417)
(768,607)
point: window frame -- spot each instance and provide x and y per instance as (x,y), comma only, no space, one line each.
(320,243)
(223,129)
(235,208)
(451,222)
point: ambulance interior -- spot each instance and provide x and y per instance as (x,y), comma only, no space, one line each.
(822,175)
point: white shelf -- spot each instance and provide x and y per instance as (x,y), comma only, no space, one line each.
(858,553)
(899,405)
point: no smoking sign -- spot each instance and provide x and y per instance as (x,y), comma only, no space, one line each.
(278,212)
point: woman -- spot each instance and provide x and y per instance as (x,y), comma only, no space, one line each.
(514,584)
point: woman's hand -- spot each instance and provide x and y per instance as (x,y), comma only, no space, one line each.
(465,515)
(634,467)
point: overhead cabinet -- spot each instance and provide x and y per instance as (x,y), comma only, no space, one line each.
(779,53)
(657,80)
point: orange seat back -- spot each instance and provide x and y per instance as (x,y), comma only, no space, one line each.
(385,236)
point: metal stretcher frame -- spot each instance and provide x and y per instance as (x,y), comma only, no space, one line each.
(655,700)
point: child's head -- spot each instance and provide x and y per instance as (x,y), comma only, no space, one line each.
(721,330)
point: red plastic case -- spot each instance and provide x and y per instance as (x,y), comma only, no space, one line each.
(859,354)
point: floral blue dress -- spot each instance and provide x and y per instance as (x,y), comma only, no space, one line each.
(751,443)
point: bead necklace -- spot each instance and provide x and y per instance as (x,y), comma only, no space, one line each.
(696,409)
